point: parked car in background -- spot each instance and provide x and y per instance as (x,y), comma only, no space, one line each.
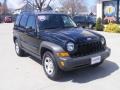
(8,19)
(85,21)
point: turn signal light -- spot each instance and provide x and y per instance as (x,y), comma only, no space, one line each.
(62,63)
(63,54)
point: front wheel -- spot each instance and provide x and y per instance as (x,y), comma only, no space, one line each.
(50,66)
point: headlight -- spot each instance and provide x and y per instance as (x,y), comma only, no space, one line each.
(102,41)
(70,46)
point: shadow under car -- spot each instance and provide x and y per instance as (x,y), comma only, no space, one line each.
(87,74)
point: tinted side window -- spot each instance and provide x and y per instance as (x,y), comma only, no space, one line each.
(23,21)
(82,18)
(79,19)
(31,23)
(18,20)
(92,19)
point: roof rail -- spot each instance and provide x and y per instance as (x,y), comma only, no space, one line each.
(42,12)
(27,12)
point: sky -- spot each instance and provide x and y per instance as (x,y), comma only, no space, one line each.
(18,3)
(13,3)
(90,3)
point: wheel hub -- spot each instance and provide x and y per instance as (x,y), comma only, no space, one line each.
(17,48)
(49,67)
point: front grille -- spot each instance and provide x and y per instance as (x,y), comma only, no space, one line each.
(88,48)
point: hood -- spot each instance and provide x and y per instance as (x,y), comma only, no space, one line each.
(75,35)
(72,34)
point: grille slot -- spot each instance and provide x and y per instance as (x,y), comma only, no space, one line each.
(88,48)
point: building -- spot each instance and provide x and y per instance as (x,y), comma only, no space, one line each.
(109,10)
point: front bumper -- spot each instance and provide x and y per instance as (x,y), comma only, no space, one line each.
(80,62)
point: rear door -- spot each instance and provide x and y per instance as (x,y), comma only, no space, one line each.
(22,30)
(16,29)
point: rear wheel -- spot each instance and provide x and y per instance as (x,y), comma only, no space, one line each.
(50,66)
(18,50)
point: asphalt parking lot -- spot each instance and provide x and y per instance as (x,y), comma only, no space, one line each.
(26,73)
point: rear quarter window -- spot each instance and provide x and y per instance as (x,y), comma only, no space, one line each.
(18,20)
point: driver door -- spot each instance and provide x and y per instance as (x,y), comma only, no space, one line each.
(31,35)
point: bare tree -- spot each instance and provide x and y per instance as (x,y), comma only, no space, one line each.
(93,9)
(41,3)
(0,8)
(5,7)
(73,6)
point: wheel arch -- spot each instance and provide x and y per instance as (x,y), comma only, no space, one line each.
(48,46)
(43,50)
(14,38)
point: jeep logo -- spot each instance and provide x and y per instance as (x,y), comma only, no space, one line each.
(89,39)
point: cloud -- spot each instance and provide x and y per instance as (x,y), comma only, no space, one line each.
(15,4)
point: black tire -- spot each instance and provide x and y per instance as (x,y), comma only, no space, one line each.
(56,71)
(18,50)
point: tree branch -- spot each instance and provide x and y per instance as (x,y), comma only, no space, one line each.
(40,3)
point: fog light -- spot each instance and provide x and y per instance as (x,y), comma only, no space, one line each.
(62,64)
(63,54)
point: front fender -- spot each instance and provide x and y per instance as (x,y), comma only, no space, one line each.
(51,46)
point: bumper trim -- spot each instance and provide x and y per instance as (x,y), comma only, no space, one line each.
(80,62)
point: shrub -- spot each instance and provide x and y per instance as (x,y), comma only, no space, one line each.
(99,25)
(112,27)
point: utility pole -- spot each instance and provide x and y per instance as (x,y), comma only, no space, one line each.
(34,6)
(118,3)
(5,8)
(26,5)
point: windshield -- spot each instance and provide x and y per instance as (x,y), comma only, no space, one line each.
(55,21)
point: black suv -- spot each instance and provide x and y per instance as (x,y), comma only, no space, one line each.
(85,21)
(55,39)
